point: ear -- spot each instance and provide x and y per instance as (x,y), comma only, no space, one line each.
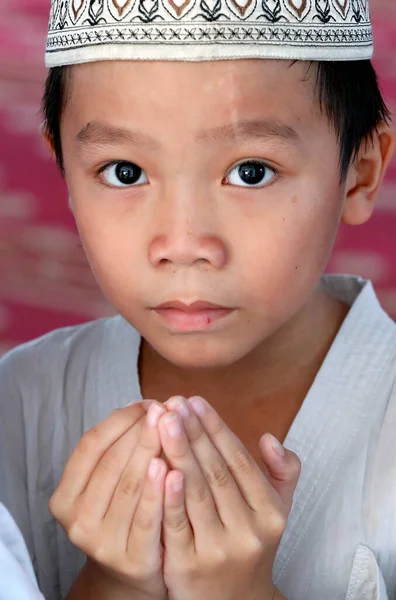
(47,140)
(365,176)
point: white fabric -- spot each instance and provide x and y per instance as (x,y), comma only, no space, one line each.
(340,543)
(366,581)
(194,30)
(17,580)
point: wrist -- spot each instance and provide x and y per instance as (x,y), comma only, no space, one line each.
(107,587)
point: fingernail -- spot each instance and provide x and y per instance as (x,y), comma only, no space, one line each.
(154,468)
(178,404)
(277,446)
(154,414)
(147,403)
(177,484)
(173,425)
(198,405)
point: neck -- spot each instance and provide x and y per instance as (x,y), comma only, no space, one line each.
(281,369)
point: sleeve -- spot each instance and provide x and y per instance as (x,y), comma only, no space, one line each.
(13,469)
(366,581)
(17,579)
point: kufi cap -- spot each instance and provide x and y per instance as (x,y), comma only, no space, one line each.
(82,31)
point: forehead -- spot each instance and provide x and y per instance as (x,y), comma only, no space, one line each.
(160,95)
(232,82)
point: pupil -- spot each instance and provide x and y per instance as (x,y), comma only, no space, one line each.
(128,173)
(252,172)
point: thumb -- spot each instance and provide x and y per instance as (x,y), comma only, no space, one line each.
(283,467)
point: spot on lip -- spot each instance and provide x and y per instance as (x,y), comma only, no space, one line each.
(294,199)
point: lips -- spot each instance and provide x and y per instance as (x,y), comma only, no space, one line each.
(197,316)
(197,306)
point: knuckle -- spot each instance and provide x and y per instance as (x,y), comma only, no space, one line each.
(199,492)
(89,441)
(242,461)
(146,440)
(108,463)
(218,474)
(195,431)
(216,424)
(176,521)
(79,532)
(129,485)
(144,520)
(99,554)
(181,452)
(276,526)
(219,557)
(254,548)
(55,505)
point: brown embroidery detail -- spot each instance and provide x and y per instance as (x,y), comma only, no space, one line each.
(298,10)
(77,6)
(242,8)
(121,6)
(179,8)
(343,6)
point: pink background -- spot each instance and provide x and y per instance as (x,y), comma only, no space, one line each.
(44,279)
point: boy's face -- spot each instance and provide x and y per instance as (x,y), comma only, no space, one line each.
(199,221)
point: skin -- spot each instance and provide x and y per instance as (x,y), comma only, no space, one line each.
(205,511)
(189,233)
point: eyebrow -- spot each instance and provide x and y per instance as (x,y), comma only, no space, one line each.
(100,134)
(257,128)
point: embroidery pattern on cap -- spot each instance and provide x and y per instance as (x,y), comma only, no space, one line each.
(329,23)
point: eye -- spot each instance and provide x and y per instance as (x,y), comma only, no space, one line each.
(251,173)
(123,174)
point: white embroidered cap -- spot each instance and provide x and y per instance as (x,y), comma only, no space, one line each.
(194,30)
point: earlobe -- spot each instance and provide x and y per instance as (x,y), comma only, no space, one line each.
(47,140)
(365,176)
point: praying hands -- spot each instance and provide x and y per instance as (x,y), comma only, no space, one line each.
(173,503)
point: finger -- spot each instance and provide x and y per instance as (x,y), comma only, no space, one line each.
(178,535)
(230,504)
(200,505)
(250,479)
(97,496)
(145,532)
(119,517)
(91,448)
(147,403)
(283,468)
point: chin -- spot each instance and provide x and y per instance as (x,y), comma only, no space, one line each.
(193,355)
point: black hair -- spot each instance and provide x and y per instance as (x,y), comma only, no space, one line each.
(347,92)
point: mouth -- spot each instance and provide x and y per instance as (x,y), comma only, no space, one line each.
(197,316)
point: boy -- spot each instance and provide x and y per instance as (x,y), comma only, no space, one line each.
(210,152)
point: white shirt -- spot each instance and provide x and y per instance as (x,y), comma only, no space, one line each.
(17,580)
(340,542)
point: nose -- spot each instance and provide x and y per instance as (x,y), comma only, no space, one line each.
(185,236)
(185,249)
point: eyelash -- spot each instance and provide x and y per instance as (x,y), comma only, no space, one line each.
(103,168)
(112,163)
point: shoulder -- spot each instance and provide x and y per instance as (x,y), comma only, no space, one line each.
(61,384)
(56,353)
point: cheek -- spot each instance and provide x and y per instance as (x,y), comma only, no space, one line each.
(288,250)
(114,251)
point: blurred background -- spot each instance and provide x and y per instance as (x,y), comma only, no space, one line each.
(44,279)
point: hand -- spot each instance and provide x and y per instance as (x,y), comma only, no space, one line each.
(110,502)
(223,520)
